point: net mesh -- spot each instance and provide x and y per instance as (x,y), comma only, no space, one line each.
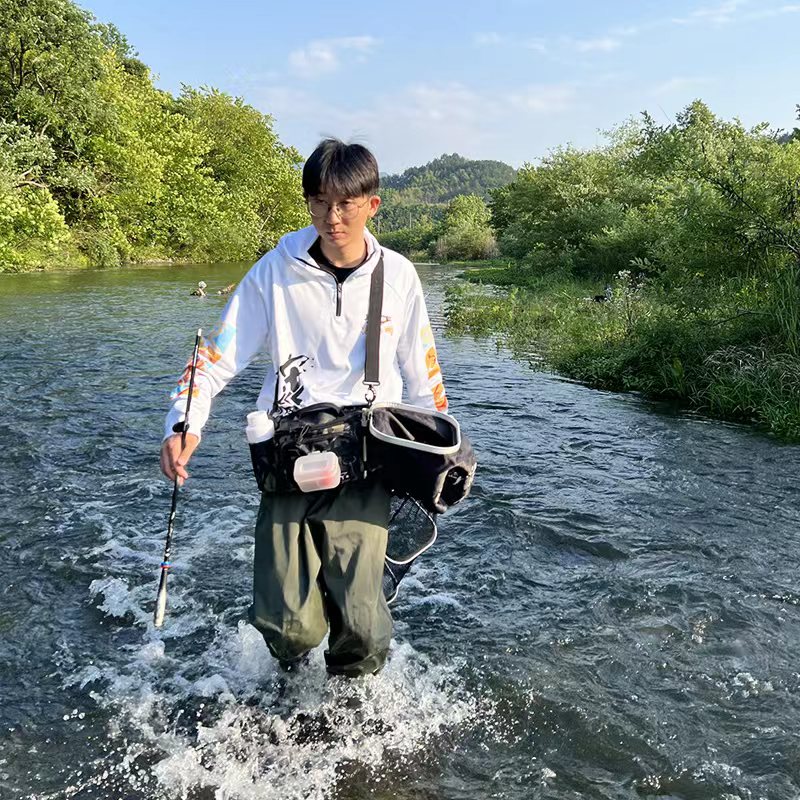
(412,530)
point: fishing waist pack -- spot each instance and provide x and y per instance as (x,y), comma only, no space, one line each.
(415,452)
(321,428)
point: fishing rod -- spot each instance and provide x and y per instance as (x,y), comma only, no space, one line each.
(161,599)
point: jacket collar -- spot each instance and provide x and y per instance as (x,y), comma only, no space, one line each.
(295,247)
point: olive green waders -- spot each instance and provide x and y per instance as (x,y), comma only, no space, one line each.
(319,563)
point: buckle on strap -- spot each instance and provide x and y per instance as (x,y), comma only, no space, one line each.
(370,395)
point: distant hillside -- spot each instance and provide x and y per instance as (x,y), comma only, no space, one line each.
(448,176)
(419,196)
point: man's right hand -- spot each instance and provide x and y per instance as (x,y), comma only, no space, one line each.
(174,459)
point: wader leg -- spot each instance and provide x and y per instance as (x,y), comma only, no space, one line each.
(288,607)
(352,551)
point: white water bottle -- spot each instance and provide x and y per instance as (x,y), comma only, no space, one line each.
(260,427)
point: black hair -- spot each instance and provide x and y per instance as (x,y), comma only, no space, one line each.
(341,170)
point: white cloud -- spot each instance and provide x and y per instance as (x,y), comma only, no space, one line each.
(488,39)
(778,11)
(729,11)
(720,14)
(547,99)
(427,106)
(679,84)
(324,56)
(443,108)
(604,44)
(420,121)
(628,30)
(537,44)
(250,78)
(600,44)
(282,101)
(494,39)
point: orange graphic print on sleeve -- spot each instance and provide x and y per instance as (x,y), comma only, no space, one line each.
(439,397)
(208,354)
(432,362)
(182,389)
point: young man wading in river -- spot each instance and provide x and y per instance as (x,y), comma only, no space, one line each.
(319,556)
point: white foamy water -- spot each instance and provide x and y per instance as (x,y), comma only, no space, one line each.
(199,709)
(243,731)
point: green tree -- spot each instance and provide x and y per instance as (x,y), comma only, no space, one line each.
(134,172)
(153,193)
(31,225)
(464,232)
(260,177)
(50,60)
(466,210)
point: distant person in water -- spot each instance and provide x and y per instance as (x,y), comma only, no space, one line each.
(227,289)
(200,291)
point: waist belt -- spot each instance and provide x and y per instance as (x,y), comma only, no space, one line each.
(415,451)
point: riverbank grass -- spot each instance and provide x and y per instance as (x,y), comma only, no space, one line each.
(724,360)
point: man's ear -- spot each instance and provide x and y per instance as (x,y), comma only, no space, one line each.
(374,205)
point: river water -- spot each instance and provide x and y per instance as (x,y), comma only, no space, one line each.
(615,612)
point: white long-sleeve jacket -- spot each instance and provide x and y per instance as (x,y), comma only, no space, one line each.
(313,328)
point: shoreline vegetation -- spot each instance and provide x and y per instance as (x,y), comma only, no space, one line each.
(99,167)
(704,216)
(722,367)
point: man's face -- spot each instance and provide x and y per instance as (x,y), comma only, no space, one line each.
(340,221)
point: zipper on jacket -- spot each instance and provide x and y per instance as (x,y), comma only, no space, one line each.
(338,289)
(339,285)
(336,280)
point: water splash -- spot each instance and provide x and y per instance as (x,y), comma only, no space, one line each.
(225,724)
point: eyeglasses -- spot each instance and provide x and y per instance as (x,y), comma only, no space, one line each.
(346,210)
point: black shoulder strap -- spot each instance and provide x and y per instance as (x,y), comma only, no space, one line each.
(372,362)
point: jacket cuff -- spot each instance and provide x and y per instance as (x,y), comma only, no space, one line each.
(171,428)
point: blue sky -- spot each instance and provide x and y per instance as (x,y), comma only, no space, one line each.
(506,79)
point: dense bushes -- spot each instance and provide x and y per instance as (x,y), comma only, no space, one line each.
(701,199)
(700,223)
(412,242)
(467,243)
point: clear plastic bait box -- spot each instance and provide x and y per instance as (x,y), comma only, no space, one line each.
(317,471)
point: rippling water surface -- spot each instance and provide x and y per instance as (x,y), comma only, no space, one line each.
(614,612)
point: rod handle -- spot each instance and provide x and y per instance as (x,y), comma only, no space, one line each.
(161,599)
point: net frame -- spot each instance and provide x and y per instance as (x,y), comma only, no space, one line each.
(395,568)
